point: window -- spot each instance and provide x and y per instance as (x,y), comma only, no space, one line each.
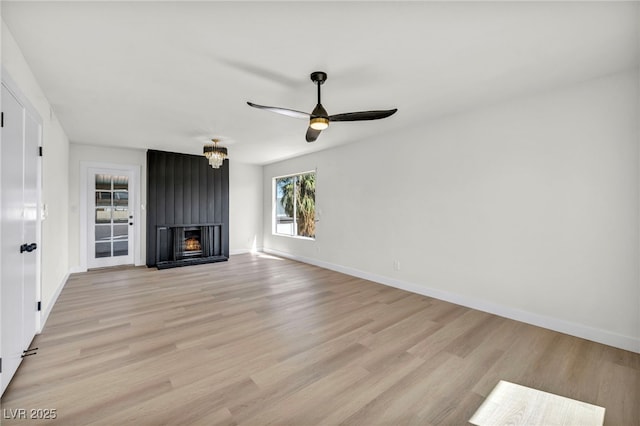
(295,205)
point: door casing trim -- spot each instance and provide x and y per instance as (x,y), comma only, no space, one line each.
(134,169)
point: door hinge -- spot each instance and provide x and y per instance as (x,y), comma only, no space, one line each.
(39,307)
(40,151)
(29,352)
(1,119)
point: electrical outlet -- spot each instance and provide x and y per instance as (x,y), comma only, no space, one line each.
(396,265)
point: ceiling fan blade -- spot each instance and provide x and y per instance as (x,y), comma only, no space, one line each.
(362,115)
(284,111)
(312,134)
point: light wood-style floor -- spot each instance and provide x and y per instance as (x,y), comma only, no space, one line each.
(260,340)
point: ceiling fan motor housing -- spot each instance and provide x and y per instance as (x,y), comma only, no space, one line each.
(319,77)
(319,111)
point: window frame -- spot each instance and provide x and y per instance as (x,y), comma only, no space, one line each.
(274,204)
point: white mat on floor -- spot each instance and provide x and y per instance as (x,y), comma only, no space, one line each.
(511,404)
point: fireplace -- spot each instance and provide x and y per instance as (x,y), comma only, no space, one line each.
(183,191)
(179,245)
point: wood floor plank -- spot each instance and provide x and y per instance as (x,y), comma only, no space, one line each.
(263,340)
(361,394)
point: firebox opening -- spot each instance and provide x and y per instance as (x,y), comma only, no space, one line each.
(191,244)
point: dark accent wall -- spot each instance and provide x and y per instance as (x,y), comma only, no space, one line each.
(183,189)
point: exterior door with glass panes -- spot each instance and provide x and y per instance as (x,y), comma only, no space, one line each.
(111,223)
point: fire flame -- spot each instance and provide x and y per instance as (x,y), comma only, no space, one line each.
(191,244)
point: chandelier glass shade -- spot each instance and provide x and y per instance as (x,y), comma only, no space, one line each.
(215,154)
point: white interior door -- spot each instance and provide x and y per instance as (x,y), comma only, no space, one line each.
(110,234)
(19,222)
(12,338)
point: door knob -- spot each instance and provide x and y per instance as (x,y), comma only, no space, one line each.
(28,247)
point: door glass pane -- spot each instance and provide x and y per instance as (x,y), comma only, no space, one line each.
(103,249)
(120,182)
(111,215)
(120,248)
(103,215)
(103,198)
(103,182)
(120,232)
(103,233)
(120,215)
(121,198)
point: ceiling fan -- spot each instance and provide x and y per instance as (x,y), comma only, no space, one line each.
(319,119)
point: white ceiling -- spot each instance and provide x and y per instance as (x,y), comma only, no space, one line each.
(171,75)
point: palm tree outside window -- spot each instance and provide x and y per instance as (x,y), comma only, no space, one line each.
(295,205)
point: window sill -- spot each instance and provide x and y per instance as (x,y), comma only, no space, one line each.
(297,237)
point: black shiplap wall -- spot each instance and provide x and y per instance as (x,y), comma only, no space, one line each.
(183,189)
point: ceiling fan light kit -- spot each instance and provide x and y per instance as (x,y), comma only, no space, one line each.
(319,119)
(215,154)
(319,123)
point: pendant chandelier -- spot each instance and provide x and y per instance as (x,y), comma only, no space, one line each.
(215,154)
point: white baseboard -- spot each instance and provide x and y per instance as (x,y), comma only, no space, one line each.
(47,309)
(574,329)
(243,251)
(238,251)
(76,269)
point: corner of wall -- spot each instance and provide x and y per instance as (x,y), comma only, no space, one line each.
(50,303)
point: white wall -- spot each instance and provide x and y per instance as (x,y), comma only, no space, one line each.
(528,209)
(79,153)
(55,195)
(245,207)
